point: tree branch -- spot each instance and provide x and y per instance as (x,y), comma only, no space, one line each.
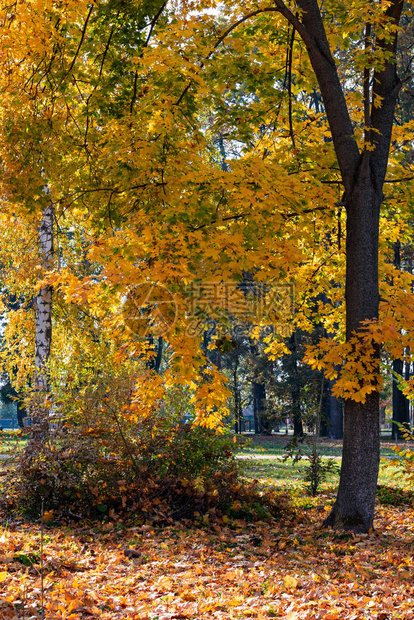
(312,31)
(81,40)
(367,102)
(221,39)
(290,60)
(147,40)
(384,94)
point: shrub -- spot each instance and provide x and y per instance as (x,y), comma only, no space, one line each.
(155,468)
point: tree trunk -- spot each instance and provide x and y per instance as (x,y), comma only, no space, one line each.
(21,414)
(400,403)
(154,362)
(354,506)
(43,341)
(237,400)
(296,392)
(332,425)
(259,398)
(363,176)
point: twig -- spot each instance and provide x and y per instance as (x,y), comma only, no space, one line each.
(81,40)
(42,611)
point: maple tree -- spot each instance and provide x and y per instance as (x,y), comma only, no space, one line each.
(184,146)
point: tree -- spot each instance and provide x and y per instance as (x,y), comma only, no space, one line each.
(43,336)
(400,402)
(363,175)
(122,108)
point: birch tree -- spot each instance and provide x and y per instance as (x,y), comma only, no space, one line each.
(43,336)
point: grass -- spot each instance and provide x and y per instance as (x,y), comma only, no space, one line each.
(270,472)
(11,441)
(274,445)
(283,474)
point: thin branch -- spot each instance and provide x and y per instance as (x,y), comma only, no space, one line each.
(236,24)
(147,40)
(81,40)
(219,221)
(294,214)
(399,180)
(105,53)
(366,95)
(220,40)
(294,21)
(290,60)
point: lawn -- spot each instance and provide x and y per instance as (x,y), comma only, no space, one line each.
(275,444)
(10,441)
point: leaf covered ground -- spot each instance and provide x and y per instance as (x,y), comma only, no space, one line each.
(224,570)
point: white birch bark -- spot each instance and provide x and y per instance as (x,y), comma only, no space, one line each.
(43,340)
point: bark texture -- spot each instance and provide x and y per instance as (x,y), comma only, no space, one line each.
(43,340)
(363,176)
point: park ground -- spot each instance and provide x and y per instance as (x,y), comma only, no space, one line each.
(224,569)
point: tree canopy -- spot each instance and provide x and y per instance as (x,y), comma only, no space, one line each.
(188,148)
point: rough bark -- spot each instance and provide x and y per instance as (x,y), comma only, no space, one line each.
(363,177)
(354,506)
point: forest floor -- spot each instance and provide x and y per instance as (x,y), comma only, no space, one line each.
(225,570)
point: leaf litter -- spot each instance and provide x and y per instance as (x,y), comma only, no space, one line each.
(234,570)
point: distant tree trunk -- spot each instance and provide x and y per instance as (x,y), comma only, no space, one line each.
(400,403)
(332,425)
(213,355)
(259,399)
(237,400)
(295,391)
(154,363)
(21,413)
(43,340)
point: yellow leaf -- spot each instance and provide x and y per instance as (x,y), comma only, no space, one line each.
(290,582)
(48,516)
(3,576)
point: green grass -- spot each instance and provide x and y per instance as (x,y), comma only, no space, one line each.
(284,474)
(11,441)
(275,444)
(393,487)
